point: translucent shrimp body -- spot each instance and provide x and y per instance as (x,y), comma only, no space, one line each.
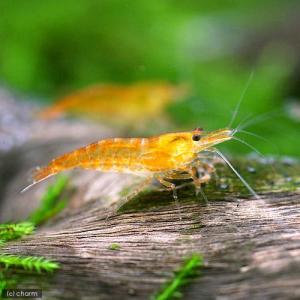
(158,155)
(143,100)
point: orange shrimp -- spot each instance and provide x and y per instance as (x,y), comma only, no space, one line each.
(143,100)
(165,157)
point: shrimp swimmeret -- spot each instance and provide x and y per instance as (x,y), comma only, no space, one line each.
(165,157)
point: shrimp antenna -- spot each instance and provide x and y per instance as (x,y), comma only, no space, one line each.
(255,135)
(258,119)
(235,112)
(248,145)
(28,187)
(261,138)
(34,183)
(250,189)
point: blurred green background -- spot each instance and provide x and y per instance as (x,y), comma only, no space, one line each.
(49,48)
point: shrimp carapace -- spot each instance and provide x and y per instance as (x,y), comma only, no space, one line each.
(154,155)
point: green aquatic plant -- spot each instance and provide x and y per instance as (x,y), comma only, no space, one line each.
(51,204)
(11,264)
(14,231)
(187,271)
(114,246)
(6,282)
(27,263)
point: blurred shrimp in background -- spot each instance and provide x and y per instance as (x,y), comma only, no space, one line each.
(124,105)
(137,77)
(135,49)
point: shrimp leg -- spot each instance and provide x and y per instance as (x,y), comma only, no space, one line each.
(172,186)
(198,181)
(199,173)
(167,184)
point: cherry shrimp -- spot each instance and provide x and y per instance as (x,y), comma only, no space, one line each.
(143,101)
(165,157)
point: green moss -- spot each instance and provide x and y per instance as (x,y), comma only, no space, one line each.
(145,200)
(114,246)
(28,263)
(6,282)
(17,269)
(264,176)
(51,204)
(15,231)
(188,270)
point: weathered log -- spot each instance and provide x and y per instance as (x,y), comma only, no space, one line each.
(251,246)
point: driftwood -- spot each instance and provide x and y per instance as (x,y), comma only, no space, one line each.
(251,246)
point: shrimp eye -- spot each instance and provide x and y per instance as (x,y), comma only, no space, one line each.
(196,137)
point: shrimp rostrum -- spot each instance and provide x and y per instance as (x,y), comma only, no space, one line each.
(166,157)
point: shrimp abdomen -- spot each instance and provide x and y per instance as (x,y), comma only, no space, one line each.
(105,155)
